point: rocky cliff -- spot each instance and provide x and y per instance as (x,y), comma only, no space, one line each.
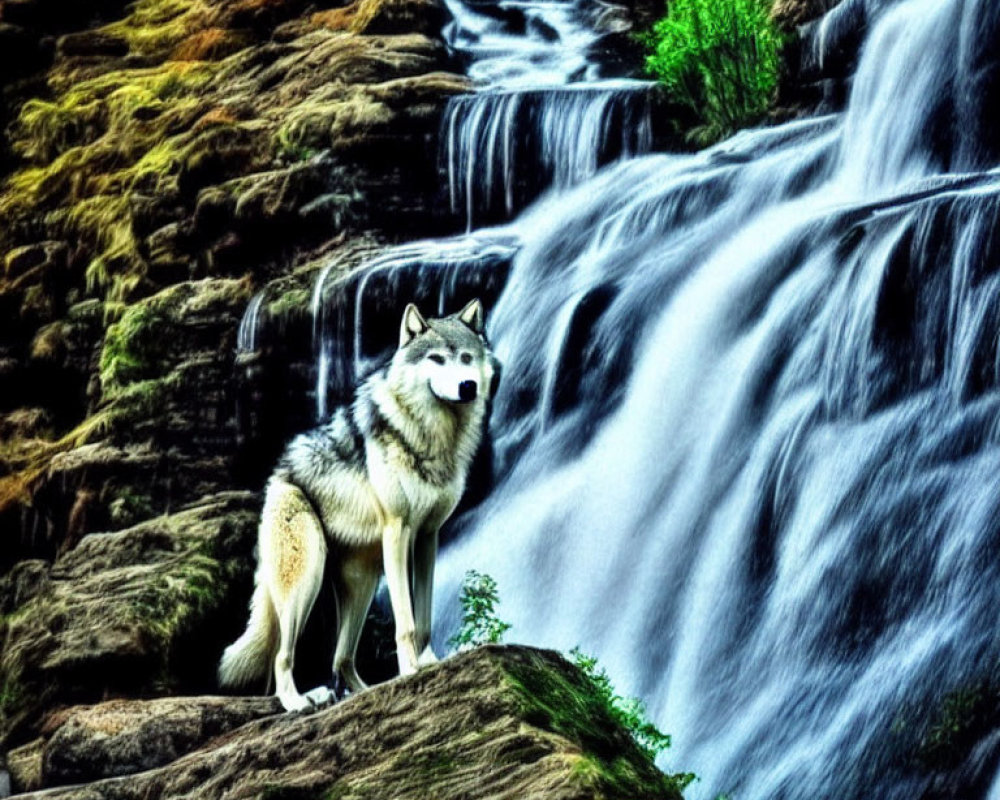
(161,166)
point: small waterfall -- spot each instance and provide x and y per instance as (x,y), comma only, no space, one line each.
(540,118)
(246,335)
(502,148)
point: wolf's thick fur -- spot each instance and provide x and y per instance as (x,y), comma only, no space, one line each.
(374,485)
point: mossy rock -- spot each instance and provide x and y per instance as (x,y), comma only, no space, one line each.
(138,611)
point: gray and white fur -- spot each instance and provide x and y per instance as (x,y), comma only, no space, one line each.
(371,488)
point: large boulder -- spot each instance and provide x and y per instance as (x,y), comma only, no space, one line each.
(496,722)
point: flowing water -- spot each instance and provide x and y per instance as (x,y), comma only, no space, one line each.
(747,441)
(542,115)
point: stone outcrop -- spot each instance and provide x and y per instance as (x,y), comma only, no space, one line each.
(124,737)
(141,611)
(497,722)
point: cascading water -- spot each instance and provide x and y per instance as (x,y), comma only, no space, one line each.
(748,435)
(749,441)
(542,117)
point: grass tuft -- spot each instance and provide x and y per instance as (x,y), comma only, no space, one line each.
(718,58)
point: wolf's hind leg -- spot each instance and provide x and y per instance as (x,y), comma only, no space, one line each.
(295,550)
(357,578)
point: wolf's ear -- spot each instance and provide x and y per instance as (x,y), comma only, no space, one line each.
(472,315)
(413,325)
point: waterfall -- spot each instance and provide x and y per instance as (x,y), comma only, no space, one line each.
(747,439)
(755,474)
(541,119)
(502,148)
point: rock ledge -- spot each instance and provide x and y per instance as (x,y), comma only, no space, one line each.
(496,722)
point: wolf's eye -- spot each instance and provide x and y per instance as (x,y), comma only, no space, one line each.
(437,358)
(466,358)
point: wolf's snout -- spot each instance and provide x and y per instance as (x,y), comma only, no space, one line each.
(467,391)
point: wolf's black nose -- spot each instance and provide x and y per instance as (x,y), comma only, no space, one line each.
(467,391)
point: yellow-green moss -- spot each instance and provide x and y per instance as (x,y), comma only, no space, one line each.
(155,27)
(25,462)
(131,347)
(177,601)
(99,141)
(293,302)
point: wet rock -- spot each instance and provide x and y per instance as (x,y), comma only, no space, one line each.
(22,583)
(491,723)
(398,16)
(92,43)
(24,423)
(25,766)
(820,56)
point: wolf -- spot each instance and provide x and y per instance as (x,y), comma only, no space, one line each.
(364,493)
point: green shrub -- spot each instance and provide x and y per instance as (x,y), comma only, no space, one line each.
(720,59)
(629,711)
(480,624)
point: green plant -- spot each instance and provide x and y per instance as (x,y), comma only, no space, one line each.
(720,59)
(480,624)
(629,711)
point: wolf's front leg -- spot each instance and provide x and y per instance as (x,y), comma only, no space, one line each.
(424,555)
(397,542)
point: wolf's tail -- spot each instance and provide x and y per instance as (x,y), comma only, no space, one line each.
(250,657)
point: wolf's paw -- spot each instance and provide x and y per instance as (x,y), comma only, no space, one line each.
(294,702)
(427,657)
(320,696)
(407,668)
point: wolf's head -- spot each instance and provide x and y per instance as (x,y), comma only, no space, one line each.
(447,355)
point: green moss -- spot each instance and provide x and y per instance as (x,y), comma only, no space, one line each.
(178,600)
(11,695)
(431,765)
(132,348)
(289,148)
(964,716)
(564,701)
(129,507)
(292,302)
